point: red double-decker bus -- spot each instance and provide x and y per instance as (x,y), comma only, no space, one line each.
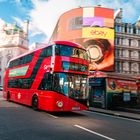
(52,78)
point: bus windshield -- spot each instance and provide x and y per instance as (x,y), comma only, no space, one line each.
(71,85)
(63,50)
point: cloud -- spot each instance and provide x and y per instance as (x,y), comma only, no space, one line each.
(2,22)
(45,15)
(34,30)
(18,21)
(130,7)
(17,1)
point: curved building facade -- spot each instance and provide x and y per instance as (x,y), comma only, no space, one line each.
(92,27)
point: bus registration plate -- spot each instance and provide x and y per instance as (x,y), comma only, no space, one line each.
(76,108)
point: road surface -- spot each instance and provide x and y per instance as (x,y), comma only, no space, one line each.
(18,122)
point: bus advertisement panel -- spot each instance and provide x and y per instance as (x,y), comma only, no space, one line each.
(52,78)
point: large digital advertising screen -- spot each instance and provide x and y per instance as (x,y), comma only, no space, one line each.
(93,28)
(98,37)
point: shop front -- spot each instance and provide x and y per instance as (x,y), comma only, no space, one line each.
(111,90)
(138,90)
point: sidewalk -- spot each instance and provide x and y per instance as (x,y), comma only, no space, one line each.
(126,113)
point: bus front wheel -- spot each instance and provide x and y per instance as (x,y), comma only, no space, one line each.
(35,102)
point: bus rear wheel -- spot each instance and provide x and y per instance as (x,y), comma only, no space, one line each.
(35,102)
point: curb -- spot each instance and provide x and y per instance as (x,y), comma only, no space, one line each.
(130,110)
(115,114)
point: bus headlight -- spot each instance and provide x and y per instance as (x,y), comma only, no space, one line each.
(59,103)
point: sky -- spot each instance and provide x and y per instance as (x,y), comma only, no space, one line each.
(43,14)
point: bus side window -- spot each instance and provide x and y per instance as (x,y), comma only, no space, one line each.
(20,83)
(27,59)
(21,60)
(10,64)
(13,83)
(46,52)
(49,51)
(57,49)
(56,84)
(46,83)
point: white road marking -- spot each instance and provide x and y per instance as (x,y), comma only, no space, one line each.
(52,116)
(93,132)
(115,116)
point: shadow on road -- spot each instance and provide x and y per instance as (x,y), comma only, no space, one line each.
(11,104)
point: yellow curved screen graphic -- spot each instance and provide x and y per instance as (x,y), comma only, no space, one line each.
(98,32)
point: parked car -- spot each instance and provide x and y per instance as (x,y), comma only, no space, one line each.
(1,88)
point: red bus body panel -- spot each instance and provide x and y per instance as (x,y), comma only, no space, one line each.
(47,99)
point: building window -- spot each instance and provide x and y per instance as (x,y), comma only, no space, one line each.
(129,30)
(118,28)
(120,52)
(117,66)
(116,52)
(125,67)
(139,43)
(76,23)
(125,53)
(121,41)
(135,43)
(134,68)
(129,42)
(139,31)
(22,42)
(134,54)
(134,30)
(118,41)
(123,29)
(125,41)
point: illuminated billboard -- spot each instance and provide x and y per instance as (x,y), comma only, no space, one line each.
(94,32)
(98,37)
(93,28)
(121,86)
